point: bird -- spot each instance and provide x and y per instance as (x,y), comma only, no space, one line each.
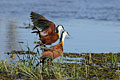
(46,29)
(54,51)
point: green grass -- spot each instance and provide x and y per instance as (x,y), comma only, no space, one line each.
(93,66)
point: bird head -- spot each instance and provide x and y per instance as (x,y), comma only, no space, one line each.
(63,36)
(60,27)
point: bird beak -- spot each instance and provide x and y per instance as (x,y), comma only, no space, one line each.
(69,36)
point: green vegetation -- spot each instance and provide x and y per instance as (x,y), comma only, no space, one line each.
(70,66)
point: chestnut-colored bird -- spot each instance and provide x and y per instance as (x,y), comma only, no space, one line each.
(54,51)
(46,29)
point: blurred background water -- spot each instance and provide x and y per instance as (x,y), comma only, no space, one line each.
(94,25)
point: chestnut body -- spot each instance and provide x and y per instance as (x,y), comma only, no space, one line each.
(54,51)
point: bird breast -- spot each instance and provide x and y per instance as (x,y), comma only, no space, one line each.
(56,52)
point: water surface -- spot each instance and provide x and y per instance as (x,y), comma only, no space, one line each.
(93,27)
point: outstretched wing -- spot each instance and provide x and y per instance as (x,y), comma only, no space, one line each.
(40,22)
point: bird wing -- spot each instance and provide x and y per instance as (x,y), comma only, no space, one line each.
(42,23)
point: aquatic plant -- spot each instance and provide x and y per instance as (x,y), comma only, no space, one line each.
(91,66)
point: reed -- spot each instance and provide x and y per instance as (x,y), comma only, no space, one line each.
(91,66)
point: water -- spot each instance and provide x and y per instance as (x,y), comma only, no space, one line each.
(93,24)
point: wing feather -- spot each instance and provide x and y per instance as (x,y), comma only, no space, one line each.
(42,23)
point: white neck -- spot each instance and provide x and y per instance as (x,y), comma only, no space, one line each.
(59,32)
(63,38)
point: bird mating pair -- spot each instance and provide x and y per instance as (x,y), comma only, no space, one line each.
(48,34)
